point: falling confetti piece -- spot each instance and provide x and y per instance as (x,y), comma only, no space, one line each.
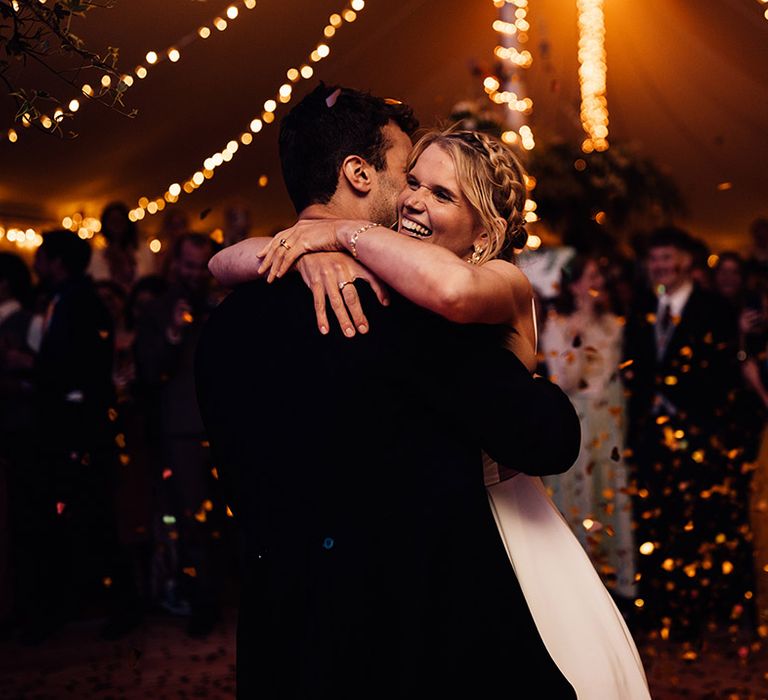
(60,507)
(167,473)
(615,454)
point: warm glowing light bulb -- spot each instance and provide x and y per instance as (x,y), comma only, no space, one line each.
(143,202)
(323,50)
(174,55)
(155,245)
(329,31)
(232,12)
(13,137)
(141,72)
(46,122)
(198,178)
(256,126)
(106,81)
(270,106)
(292,75)
(350,15)
(220,24)
(232,146)
(250,4)
(204,32)
(175,189)
(268,117)
(66,222)
(87,90)
(151,57)
(285,90)
(335,20)
(307,72)
(263,181)
(152,208)
(246,139)
(58,115)
(358,5)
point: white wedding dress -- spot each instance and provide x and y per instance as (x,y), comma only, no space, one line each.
(579,623)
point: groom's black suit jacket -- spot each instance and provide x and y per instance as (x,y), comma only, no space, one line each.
(373,566)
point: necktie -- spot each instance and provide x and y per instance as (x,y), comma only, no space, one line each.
(663,328)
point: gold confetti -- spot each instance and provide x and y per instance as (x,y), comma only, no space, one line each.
(120,440)
(190,571)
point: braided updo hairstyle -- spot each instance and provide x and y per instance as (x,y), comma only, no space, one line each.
(492,179)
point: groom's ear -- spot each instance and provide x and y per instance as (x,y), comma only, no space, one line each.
(357,172)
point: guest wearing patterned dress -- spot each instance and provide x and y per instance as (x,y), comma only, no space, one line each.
(582,342)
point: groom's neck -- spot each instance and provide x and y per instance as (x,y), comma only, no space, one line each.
(336,209)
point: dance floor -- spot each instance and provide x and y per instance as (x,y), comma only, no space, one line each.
(159,662)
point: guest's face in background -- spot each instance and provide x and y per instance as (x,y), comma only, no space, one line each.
(190,268)
(728,280)
(433,207)
(390,181)
(668,267)
(590,284)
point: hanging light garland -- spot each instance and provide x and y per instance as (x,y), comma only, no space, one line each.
(152,59)
(23,238)
(150,206)
(763,2)
(592,70)
(513,29)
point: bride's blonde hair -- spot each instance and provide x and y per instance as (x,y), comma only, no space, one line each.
(492,179)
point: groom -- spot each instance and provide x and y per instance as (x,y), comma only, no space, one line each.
(372,563)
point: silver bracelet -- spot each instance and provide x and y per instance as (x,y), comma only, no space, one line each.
(353,238)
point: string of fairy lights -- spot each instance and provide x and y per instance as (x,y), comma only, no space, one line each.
(764,2)
(592,75)
(152,58)
(512,27)
(150,206)
(89,227)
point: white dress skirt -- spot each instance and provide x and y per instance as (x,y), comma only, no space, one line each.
(579,623)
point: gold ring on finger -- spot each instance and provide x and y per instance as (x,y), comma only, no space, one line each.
(284,244)
(344,284)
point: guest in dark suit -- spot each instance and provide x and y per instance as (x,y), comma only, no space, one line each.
(16,362)
(77,441)
(372,563)
(689,503)
(166,338)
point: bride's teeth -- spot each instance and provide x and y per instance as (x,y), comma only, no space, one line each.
(414,227)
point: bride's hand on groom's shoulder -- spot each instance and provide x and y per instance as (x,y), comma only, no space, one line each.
(332,275)
(305,236)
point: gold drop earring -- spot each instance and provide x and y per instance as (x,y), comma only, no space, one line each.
(476,255)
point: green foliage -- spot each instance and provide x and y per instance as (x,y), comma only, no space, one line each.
(40,32)
(572,187)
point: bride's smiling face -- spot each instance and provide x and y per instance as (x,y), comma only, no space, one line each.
(432,207)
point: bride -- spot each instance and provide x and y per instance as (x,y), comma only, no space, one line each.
(465,194)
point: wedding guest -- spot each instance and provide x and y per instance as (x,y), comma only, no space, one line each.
(728,278)
(757,260)
(78,549)
(582,342)
(16,419)
(237,224)
(166,338)
(692,530)
(123,260)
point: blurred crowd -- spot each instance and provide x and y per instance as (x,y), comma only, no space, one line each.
(109,501)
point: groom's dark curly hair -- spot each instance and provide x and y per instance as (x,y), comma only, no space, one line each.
(329,124)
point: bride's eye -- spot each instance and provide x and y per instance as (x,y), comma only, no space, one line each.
(443,196)
(412,182)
